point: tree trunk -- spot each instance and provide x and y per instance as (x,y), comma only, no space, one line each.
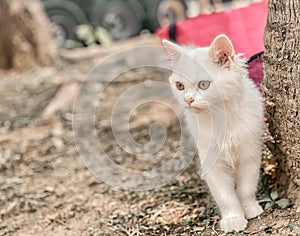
(25,37)
(282,90)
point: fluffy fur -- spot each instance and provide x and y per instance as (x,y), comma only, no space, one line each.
(233,105)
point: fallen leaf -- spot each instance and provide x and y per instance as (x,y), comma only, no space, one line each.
(283,203)
(294,227)
(274,194)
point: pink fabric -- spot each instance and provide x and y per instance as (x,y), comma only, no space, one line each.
(244,26)
(255,70)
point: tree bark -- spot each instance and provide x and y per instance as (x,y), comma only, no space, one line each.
(25,35)
(282,89)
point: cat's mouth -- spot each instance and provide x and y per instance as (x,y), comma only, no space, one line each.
(195,109)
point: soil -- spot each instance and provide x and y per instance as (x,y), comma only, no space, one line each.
(45,188)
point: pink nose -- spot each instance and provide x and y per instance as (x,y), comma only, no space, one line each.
(190,100)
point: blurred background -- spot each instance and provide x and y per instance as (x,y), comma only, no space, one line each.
(99,21)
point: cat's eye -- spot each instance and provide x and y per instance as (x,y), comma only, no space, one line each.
(179,86)
(204,84)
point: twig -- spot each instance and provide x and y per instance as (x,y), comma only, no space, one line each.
(213,227)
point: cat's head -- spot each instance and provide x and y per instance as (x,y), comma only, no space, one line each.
(214,77)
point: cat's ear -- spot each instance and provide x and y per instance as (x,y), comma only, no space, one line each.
(221,50)
(174,51)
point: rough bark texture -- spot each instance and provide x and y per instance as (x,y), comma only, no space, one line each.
(25,37)
(282,89)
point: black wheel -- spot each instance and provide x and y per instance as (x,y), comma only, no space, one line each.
(162,13)
(63,27)
(65,16)
(117,18)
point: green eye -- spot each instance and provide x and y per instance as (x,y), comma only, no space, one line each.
(179,86)
(204,84)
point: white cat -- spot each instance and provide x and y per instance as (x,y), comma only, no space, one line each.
(226,100)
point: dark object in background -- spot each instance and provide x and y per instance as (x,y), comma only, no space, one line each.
(65,15)
(172,32)
(160,13)
(121,18)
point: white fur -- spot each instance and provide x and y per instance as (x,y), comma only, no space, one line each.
(233,101)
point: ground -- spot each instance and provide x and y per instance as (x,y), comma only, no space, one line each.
(45,188)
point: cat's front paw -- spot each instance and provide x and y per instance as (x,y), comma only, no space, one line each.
(233,224)
(253,210)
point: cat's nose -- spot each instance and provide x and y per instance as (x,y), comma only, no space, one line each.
(190,100)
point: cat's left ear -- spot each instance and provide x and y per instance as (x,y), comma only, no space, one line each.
(174,51)
(221,50)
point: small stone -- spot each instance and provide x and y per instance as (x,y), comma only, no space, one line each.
(49,189)
(71,214)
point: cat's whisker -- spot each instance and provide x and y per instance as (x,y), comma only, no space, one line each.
(218,108)
(217,115)
(217,112)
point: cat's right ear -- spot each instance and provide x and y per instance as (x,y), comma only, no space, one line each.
(173,50)
(221,50)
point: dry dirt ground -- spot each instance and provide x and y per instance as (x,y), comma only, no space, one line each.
(45,189)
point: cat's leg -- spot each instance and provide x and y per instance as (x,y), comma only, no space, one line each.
(247,179)
(222,187)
